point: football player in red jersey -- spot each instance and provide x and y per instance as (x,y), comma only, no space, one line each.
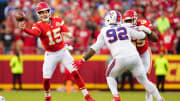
(130,17)
(51,31)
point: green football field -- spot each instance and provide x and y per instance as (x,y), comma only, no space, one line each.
(77,96)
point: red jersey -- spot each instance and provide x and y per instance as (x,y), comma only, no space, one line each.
(168,40)
(50,34)
(83,36)
(142,44)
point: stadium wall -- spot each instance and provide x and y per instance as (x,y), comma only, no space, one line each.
(92,71)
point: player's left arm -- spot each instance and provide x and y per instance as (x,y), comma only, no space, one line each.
(64,30)
(150,34)
(146,26)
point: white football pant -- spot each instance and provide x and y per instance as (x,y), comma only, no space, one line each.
(146,58)
(51,60)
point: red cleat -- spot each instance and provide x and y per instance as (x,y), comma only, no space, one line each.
(48,98)
(116,99)
(89,98)
(162,99)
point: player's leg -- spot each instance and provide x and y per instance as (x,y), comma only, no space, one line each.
(140,75)
(67,61)
(147,62)
(50,62)
(114,69)
(142,79)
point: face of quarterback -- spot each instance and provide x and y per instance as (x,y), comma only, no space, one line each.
(44,15)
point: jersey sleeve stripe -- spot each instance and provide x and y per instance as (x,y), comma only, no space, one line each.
(62,23)
(37,29)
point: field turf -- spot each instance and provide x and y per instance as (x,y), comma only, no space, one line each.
(77,96)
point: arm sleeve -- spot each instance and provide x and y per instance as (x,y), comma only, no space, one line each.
(64,28)
(35,31)
(136,34)
(99,43)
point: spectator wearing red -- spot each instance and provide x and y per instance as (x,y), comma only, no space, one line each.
(78,46)
(83,35)
(155,48)
(72,28)
(175,17)
(29,45)
(168,40)
(178,42)
(115,4)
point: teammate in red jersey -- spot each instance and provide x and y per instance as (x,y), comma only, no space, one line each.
(51,31)
(142,45)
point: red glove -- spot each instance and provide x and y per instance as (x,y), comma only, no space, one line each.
(77,64)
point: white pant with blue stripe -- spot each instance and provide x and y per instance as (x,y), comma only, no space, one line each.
(119,65)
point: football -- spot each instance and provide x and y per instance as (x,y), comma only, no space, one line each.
(20,16)
(2,98)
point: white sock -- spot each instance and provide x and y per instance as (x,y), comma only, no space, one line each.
(84,91)
(112,83)
(47,94)
(148,96)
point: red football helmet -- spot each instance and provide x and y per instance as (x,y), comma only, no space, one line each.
(43,6)
(130,15)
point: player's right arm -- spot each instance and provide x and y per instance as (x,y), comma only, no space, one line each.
(35,31)
(95,47)
(136,34)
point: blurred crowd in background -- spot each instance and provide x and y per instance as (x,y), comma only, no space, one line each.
(85,18)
